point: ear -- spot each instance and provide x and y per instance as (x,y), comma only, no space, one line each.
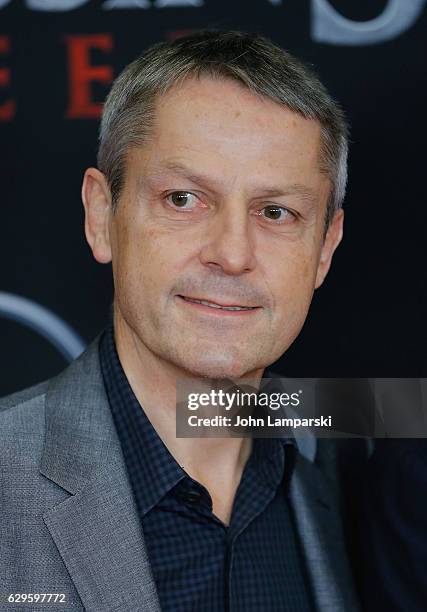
(97,204)
(332,239)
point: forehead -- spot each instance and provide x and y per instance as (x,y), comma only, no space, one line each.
(219,126)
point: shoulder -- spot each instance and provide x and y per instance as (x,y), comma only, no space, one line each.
(22,431)
(24,414)
(23,411)
(23,396)
(25,408)
(22,436)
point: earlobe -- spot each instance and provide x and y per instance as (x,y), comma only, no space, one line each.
(332,240)
(97,204)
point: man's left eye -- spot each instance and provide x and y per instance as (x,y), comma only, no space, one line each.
(180,199)
(277,213)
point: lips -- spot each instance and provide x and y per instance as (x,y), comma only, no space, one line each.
(214,304)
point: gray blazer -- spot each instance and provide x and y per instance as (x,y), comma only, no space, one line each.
(68,519)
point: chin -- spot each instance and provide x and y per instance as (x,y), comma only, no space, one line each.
(225,367)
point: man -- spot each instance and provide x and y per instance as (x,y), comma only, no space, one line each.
(222,170)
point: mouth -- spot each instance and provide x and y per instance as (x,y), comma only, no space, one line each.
(215,307)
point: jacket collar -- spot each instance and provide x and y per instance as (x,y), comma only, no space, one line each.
(97,529)
(307,443)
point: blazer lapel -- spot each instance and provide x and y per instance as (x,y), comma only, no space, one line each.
(97,529)
(315,502)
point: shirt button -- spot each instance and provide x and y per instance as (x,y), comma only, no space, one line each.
(192,496)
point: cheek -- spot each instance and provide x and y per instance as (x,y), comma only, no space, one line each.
(294,291)
(297,276)
(149,259)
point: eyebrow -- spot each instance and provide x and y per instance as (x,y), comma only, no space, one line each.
(305,192)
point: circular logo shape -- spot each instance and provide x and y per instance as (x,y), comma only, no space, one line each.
(44,322)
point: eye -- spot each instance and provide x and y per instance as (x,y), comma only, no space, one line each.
(277,213)
(180,199)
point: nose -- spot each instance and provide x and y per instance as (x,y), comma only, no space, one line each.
(229,243)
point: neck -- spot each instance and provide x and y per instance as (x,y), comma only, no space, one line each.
(153,380)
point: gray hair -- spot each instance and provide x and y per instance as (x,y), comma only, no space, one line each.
(265,68)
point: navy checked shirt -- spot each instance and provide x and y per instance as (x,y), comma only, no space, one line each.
(200,564)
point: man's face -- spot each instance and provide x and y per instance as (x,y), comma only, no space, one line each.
(226,204)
